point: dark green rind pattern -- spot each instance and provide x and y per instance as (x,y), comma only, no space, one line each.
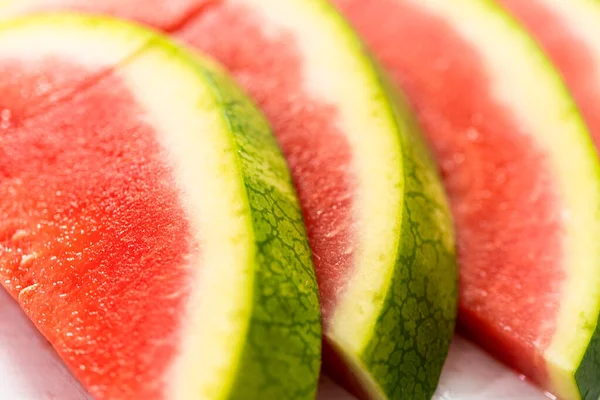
(587,375)
(412,335)
(281,356)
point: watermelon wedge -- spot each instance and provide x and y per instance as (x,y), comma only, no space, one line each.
(569,32)
(149,227)
(375,212)
(521,173)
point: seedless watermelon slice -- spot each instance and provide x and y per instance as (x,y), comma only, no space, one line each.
(522,176)
(149,227)
(376,216)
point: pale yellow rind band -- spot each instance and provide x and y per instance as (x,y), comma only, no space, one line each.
(569,345)
(336,72)
(525,82)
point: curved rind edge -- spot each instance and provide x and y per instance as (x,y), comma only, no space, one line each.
(290,335)
(422,302)
(409,342)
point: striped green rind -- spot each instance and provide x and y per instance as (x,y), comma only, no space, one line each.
(281,357)
(587,375)
(412,336)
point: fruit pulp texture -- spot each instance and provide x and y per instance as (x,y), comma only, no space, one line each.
(503,199)
(91,214)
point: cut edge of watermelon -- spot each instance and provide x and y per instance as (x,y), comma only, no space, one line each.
(351,372)
(572,158)
(345,79)
(214,328)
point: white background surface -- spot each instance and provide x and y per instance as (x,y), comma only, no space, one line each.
(30,370)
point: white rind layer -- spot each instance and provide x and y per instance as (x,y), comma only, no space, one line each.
(524,81)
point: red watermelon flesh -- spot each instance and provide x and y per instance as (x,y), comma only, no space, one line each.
(502,192)
(29,88)
(93,220)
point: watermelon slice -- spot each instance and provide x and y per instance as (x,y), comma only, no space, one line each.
(149,227)
(569,33)
(521,173)
(374,209)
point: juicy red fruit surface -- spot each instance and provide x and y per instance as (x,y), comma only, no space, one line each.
(93,241)
(270,67)
(501,190)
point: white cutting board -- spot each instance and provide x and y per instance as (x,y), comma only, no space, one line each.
(30,370)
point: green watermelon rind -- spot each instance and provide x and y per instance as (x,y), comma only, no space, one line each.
(285,322)
(421,306)
(588,371)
